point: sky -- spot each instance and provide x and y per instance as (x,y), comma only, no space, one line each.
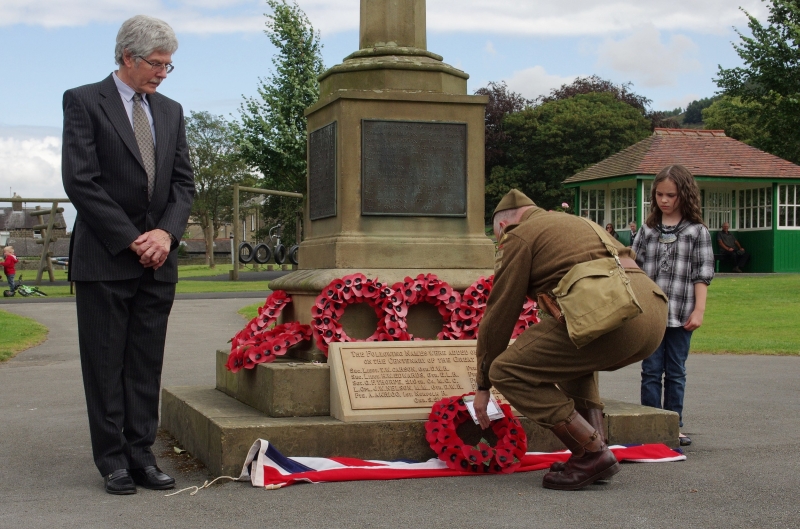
(669,51)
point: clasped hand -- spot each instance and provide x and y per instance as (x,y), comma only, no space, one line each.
(152,247)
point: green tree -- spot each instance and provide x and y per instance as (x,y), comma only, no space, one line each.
(502,102)
(694,111)
(739,120)
(594,84)
(770,77)
(555,140)
(272,133)
(214,153)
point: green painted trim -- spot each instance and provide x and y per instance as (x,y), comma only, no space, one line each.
(740,180)
(639,202)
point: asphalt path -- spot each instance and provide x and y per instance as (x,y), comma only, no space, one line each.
(742,469)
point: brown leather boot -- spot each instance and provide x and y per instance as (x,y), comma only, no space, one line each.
(591,459)
(594,417)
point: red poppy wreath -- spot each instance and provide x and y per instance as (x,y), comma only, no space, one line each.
(427,288)
(467,315)
(257,343)
(357,288)
(504,457)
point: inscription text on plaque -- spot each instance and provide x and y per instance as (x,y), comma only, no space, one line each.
(322,172)
(389,378)
(413,168)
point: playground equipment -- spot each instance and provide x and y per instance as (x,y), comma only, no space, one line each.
(47,231)
(246,251)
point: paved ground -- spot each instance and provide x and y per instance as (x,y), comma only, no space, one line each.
(742,470)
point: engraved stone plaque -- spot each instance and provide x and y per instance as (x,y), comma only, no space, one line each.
(392,380)
(411,168)
(322,172)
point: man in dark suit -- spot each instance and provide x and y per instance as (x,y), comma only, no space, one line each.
(125,167)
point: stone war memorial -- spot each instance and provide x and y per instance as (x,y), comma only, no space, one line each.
(394,212)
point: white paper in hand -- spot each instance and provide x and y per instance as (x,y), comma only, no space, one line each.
(492,408)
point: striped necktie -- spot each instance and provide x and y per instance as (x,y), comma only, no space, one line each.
(144,137)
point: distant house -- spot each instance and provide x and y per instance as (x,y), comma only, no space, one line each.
(18,221)
(756,192)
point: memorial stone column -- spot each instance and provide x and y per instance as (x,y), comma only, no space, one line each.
(395,171)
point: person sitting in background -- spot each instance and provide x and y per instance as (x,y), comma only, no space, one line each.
(633,232)
(610,229)
(731,248)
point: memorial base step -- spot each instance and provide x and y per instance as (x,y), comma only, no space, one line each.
(219,430)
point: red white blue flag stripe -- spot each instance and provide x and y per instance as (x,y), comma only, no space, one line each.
(266,467)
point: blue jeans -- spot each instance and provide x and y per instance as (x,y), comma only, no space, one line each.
(10,278)
(669,361)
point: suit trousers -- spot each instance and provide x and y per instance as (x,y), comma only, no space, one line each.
(122,327)
(544,376)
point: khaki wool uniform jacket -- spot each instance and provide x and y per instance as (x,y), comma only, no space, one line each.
(532,257)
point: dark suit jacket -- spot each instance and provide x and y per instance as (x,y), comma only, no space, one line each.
(105,179)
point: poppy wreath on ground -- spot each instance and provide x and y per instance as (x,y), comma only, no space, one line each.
(427,288)
(504,457)
(357,288)
(258,343)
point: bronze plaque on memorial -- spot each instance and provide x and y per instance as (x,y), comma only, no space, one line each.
(393,380)
(322,172)
(412,168)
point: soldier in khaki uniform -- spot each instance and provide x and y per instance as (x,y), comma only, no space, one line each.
(543,374)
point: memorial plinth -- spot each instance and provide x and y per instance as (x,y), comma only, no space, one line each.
(395,189)
(288,404)
(395,168)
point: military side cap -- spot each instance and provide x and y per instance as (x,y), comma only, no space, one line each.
(514,199)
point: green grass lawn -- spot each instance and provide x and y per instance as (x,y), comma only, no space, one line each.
(183,271)
(250,311)
(751,315)
(18,333)
(184,287)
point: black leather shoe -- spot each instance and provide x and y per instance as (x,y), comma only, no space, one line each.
(152,478)
(684,441)
(120,482)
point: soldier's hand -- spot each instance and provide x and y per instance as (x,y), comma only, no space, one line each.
(481,402)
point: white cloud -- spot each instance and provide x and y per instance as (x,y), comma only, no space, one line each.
(30,164)
(535,81)
(529,17)
(644,57)
(489,48)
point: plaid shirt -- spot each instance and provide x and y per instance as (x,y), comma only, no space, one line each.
(676,267)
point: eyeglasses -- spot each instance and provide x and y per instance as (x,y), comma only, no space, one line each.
(157,66)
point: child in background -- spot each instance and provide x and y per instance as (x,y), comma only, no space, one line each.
(9,266)
(674,250)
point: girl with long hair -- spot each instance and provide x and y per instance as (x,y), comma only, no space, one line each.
(674,249)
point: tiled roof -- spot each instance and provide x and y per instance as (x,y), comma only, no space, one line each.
(703,152)
(22,220)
